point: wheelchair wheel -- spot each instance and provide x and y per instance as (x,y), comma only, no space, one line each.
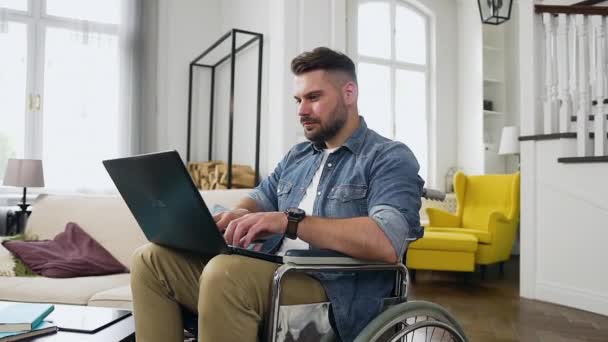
(413,321)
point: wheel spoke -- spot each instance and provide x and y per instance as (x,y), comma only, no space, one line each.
(414,322)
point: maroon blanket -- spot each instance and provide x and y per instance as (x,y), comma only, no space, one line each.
(72,253)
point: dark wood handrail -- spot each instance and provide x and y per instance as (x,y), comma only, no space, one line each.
(588,2)
(573,9)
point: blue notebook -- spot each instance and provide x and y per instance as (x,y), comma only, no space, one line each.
(23,316)
(43,328)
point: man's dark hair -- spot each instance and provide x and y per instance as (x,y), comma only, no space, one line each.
(323,58)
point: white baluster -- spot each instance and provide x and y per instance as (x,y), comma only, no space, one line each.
(565,106)
(583,143)
(592,40)
(598,86)
(550,105)
(573,68)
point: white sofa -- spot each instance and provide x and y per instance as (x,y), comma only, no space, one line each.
(109,221)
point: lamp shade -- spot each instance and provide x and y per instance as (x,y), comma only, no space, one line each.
(24,173)
(509,141)
(494,11)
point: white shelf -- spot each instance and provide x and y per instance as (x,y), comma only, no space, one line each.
(492,48)
(494,83)
(492,80)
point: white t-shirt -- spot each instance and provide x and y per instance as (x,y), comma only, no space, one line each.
(307,204)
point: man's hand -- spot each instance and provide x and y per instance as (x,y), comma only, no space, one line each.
(250,227)
(223,219)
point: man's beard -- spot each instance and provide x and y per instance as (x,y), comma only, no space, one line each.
(330,129)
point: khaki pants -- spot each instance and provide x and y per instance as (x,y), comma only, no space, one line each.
(231,294)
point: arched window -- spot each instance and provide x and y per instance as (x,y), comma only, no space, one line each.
(391,45)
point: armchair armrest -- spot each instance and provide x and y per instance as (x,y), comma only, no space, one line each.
(323,257)
(503,233)
(496,223)
(442,218)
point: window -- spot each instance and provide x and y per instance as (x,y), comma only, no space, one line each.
(65,71)
(391,45)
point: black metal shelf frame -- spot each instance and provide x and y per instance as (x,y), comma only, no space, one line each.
(196,63)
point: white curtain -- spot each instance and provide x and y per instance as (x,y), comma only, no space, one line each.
(99,117)
(3,21)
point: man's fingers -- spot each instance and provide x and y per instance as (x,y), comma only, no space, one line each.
(251,235)
(240,230)
(225,221)
(229,232)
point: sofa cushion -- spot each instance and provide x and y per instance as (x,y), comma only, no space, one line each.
(72,253)
(58,290)
(10,265)
(117,297)
(225,198)
(106,218)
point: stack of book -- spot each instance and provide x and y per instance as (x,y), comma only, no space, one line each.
(21,321)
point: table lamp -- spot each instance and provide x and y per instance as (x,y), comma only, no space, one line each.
(24,173)
(509,141)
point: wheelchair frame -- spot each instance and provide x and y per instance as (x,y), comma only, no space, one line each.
(396,316)
(308,264)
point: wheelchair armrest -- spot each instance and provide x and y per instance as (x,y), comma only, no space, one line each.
(322,257)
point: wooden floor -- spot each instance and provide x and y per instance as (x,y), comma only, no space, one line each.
(491,309)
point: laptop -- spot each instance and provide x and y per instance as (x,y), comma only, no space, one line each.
(168,207)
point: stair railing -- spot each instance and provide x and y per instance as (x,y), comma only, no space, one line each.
(575,74)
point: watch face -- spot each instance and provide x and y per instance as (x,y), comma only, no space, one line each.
(296,212)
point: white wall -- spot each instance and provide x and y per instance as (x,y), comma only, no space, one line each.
(470,89)
(251,16)
(570,224)
(512,78)
(186,28)
(445,116)
(564,207)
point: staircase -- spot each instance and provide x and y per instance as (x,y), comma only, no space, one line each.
(574,72)
(564,154)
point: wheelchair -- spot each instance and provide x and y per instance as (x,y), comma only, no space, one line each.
(401,320)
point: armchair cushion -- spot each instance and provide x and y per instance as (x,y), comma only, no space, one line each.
(444,241)
(482,236)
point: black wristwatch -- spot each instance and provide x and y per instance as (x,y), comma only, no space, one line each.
(294,216)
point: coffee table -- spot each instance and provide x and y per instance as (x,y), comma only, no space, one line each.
(120,331)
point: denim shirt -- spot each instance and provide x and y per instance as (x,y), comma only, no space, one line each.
(367,176)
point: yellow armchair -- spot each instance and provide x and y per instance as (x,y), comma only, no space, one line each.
(442,218)
(488,208)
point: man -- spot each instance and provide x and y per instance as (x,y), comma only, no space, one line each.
(348,189)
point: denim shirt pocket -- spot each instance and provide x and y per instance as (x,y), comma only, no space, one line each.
(348,200)
(283,190)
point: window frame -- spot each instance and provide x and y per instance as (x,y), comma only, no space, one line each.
(393,64)
(37,22)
